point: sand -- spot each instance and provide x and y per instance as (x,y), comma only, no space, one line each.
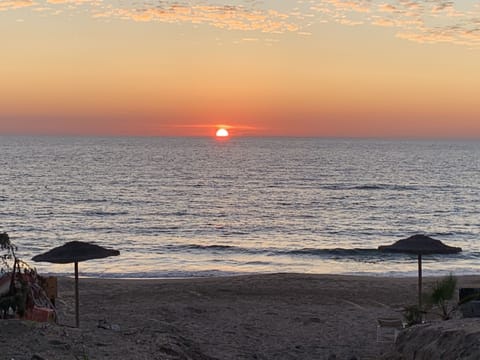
(277,316)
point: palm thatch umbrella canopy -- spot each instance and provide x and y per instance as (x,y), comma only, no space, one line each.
(74,252)
(420,245)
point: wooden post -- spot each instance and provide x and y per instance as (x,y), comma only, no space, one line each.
(420,282)
(77,315)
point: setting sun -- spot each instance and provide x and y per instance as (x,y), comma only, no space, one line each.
(222,132)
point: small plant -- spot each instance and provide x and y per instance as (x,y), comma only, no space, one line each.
(441,296)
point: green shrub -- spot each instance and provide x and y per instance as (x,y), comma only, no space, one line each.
(441,296)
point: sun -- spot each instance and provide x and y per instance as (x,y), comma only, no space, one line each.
(222,132)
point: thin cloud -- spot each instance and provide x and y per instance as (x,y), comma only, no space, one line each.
(425,21)
(225,16)
(69,1)
(216,125)
(389,8)
(362,6)
(15,4)
(428,21)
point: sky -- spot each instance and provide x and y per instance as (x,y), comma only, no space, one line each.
(326,68)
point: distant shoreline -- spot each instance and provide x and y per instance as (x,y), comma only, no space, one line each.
(239,275)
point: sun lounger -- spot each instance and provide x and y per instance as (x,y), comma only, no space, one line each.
(388,329)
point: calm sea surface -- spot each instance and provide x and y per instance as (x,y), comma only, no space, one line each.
(180,207)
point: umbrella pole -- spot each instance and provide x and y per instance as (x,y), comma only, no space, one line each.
(420,282)
(77,316)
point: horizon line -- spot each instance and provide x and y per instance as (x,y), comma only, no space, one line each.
(327,137)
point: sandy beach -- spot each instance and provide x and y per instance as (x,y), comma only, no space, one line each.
(277,316)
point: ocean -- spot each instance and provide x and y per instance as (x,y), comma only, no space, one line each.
(189,207)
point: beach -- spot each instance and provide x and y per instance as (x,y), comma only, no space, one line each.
(271,316)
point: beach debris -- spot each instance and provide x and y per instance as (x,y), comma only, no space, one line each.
(75,252)
(412,315)
(104,324)
(37,357)
(420,245)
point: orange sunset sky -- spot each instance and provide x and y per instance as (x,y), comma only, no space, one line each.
(365,68)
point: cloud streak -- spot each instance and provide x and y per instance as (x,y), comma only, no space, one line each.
(227,17)
(427,21)
(15,4)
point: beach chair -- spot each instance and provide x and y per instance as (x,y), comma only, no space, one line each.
(388,329)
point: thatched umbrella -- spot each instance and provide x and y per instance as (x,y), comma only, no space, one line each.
(420,245)
(74,252)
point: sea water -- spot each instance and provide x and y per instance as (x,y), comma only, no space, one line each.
(181,207)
